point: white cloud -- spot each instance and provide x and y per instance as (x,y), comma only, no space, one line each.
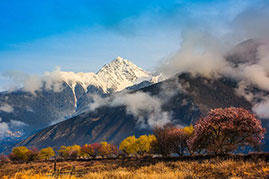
(33,83)
(6,108)
(147,109)
(261,109)
(16,124)
(3,129)
(143,106)
(11,129)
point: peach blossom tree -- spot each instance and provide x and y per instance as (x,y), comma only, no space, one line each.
(224,130)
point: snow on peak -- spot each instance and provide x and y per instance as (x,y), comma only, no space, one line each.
(114,76)
(120,73)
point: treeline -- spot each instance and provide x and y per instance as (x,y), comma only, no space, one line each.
(222,131)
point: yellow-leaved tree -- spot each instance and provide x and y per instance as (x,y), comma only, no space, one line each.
(87,151)
(105,149)
(72,152)
(46,153)
(189,129)
(20,153)
(128,145)
(143,144)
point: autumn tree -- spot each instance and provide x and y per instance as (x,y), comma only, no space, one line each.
(225,130)
(19,153)
(46,153)
(96,148)
(87,151)
(33,154)
(177,139)
(171,139)
(70,152)
(134,146)
(114,150)
(128,145)
(162,145)
(73,151)
(143,144)
(105,149)
(62,152)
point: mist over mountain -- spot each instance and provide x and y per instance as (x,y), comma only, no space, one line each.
(56,96)
(181,100)
(121,99)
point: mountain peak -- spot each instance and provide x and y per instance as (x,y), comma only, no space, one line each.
(114,76)
(118,62)
(121,73)
(120,59)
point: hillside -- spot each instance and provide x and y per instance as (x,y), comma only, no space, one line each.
(61,96)
(184,96)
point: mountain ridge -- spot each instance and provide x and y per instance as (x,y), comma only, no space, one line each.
(64,95)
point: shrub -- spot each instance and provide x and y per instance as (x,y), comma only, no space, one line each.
(224,130)
(4,158)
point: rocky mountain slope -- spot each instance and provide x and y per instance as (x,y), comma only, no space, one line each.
(184,97)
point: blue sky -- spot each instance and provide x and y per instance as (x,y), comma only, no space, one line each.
(79,35)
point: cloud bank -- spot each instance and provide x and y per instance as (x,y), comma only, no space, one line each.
(6,108)
(11,128)
(32,83)
(210,54)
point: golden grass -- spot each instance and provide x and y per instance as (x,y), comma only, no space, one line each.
(139,170)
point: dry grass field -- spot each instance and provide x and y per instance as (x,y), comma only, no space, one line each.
(213,168)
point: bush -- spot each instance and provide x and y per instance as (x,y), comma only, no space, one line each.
(225,130)
(4,158)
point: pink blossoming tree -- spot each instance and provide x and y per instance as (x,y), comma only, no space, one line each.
(225,130)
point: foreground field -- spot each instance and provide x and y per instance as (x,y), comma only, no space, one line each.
(214,168)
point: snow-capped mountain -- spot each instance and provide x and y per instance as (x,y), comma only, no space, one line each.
(65,94)
(113,77)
